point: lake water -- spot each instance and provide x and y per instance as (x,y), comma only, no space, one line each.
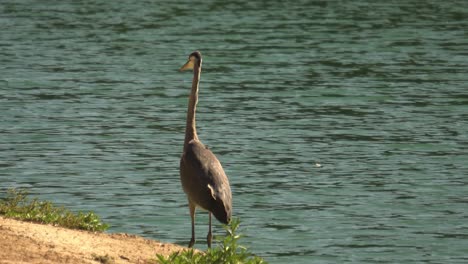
(341,124)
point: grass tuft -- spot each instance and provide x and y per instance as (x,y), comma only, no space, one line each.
(228,251)
(104,259)
(18,206)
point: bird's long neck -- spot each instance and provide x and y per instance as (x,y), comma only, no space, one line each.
(190,129)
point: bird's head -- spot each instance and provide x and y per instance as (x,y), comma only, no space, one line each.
(194,59)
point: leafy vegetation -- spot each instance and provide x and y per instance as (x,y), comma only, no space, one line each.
(17,205)
(228,251)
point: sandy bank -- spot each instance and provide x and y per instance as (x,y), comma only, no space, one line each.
(24,242)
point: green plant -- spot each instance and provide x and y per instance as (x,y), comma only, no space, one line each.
(228,251)
(17,205)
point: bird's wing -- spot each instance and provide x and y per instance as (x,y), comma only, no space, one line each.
(207,174)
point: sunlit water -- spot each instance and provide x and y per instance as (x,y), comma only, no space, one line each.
(342,125)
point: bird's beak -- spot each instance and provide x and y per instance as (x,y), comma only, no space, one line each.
(187,66)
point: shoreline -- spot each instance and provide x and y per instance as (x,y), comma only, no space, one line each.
(28,242)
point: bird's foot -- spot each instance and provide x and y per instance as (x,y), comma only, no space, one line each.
(192,241)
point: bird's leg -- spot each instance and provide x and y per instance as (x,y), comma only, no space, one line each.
(210,236)
(192,216)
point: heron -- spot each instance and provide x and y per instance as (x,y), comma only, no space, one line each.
(201,174)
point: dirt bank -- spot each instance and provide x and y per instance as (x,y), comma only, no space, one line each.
(24,242)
